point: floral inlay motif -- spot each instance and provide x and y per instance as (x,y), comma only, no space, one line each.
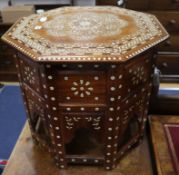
(29,75)
(85,26)
(138,75)
(82,88)
(86,33)
(95,121)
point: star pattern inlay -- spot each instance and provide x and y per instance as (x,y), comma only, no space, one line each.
(82,88)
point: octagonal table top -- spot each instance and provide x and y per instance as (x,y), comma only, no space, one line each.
(85,34)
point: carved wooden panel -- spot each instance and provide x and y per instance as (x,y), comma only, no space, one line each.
(137,73)
(90,121)
(30,74)
(87,87)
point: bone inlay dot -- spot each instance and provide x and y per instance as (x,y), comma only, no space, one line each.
(112,88)
(80,65)
(82,109)
(96,109)
(96,98)
(38,27)
(50,77)
(51,88)
(96,78)
(43,19)
(68,98)
(66,78)
(120,76)
(112,99)
(112,78)
(64,65)
(113,66)
(111,109)
(68,109)
(53,98)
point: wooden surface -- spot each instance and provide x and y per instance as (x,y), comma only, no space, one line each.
(28,159)
(61,103)
(64,34)
(159,142)
(64,100)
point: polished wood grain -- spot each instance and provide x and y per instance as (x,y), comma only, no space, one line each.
(168,64)
(27,158)
(171,45)
(141,5)
(170,20)
(164,5)
(160,147)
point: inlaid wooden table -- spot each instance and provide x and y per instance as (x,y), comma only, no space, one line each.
(85,74)
(29,159)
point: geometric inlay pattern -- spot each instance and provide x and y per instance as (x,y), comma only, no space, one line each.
(86,33)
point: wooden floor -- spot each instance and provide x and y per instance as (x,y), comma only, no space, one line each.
(29,159)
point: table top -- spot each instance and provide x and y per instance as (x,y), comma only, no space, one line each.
(159,142)
(107,34)
(29,159)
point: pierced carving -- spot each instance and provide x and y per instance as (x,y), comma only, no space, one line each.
(71,121)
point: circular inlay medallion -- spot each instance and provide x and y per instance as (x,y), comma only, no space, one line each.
(85,25)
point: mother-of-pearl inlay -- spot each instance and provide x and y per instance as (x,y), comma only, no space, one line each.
(84,26)
(86,33)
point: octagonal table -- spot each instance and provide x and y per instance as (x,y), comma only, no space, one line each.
(85,75)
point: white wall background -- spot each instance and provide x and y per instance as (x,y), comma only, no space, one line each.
(4,3)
